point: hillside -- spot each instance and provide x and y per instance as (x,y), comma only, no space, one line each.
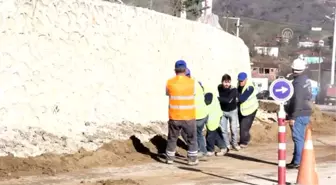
(255,31)
(303,12)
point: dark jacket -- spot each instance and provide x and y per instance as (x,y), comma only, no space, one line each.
(300,103)
(227,98)
(242,97)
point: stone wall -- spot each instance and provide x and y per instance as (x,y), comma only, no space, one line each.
(69,67)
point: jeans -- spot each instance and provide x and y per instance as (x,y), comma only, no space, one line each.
(232,117)
(245,123)
(298,134)
(200,123)
(214,138)
(188,127)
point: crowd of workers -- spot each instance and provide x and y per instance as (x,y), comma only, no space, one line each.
(193,107)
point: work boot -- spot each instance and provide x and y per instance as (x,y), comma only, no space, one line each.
(243,146)
(192,161)
(202,156)
(292,166)
(222,152)
(236,147)
(209,154)
(169,159)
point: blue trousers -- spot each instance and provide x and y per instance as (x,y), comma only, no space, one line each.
(200,123)
(298,135)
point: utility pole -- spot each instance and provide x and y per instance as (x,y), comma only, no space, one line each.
(237,27)
(227,15)
(319,72)
(332,78)
(227,21)
(237,24)
(151,4)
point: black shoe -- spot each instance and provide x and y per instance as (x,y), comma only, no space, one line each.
(292,166)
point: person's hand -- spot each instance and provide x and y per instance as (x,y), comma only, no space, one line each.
(290,122)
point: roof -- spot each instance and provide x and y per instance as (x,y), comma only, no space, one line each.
(265,65)
(307,52)
(266,45)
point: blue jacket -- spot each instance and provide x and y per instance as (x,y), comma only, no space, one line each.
(300,103)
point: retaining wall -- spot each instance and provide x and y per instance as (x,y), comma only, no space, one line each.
(69,67)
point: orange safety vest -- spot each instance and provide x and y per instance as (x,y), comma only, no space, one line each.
(181,91)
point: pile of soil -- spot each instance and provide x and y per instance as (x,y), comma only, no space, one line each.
(322,124)
(115,153)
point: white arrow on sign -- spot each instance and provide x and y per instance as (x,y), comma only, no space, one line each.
(282,90)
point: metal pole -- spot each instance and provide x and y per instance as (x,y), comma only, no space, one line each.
(151,4)
(332,76)
(282,146)
(238,26)
(227,22)
(319,72)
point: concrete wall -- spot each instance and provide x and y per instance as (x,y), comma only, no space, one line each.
(69,64)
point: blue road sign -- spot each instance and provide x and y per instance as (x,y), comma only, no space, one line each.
(281,90)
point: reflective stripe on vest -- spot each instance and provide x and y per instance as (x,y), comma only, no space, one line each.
(181,91)
(201,107)
(182,97)
(251,104)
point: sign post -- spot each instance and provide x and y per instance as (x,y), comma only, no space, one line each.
(281,90)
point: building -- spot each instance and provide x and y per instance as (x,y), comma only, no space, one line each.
(267,50)
(309,43)
(265,70)
(310,55)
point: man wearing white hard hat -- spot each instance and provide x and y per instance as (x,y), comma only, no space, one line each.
(299,109)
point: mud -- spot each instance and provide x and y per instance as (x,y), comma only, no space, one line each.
(133,151)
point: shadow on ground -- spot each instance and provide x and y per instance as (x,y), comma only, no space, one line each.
(159,143)
(245,158)
(266,179)
(214,175)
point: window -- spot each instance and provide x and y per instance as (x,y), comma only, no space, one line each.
(255,69)
(272,70)
(267,71)
(261,70)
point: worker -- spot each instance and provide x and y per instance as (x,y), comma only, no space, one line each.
(182,113)
(214,134)
(228,102)
(248,106)
(201,115)
(299,109)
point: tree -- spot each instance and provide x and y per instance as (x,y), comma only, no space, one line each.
(193,7)
(190,6)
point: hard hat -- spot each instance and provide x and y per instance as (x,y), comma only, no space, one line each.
(299,64)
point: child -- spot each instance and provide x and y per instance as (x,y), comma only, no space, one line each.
(214,134)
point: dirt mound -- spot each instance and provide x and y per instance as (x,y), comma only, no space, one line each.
(268,106)
(322,123)
(115,153)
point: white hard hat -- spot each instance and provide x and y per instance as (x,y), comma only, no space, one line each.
(299,64)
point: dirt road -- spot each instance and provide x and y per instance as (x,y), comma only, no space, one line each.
(258,160)
(137,163)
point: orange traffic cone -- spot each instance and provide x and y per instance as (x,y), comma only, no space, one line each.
(307,174)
